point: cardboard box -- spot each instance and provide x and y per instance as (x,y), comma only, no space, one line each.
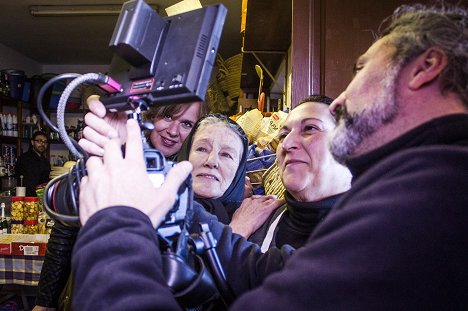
(6,240)
(5,248)
(32,245)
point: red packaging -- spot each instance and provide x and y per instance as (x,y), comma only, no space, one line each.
(35,245)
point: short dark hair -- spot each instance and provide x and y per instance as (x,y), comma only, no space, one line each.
(317,99)
(38,133)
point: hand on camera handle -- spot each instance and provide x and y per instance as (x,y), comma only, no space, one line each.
(117,180)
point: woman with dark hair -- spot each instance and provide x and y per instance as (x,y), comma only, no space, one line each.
(172,124)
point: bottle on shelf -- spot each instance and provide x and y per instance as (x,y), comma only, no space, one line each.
(3,221)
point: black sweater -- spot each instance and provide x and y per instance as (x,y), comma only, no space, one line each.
(298,220)
(398,240)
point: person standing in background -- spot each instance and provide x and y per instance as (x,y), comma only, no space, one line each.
(33,165)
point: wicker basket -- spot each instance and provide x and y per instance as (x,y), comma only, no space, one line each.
(272,182)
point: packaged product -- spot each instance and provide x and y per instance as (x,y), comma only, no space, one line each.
(31,211)
(17,214)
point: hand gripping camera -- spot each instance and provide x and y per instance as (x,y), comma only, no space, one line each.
(157,61)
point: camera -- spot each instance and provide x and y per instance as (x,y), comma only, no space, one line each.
(157,168)
(157,61)
(161,61)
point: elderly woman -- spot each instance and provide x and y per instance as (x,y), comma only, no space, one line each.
(217,149)
(314,181)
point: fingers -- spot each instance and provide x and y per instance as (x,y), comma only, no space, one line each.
(167,192)
(113,154)
(84,210)
(176,176)
(91,148)
(95,106)
(100,125)
(93,167)
(134,146)
(263,197)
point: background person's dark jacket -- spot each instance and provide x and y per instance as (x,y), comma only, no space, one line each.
(35,170)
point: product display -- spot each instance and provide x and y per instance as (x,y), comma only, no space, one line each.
(30,215)
(17,214)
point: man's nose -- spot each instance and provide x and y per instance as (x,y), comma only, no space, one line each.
(339,101)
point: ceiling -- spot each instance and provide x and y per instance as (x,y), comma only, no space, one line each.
(84,40)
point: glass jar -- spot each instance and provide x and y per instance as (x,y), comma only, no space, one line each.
(31,211)
(41,222)
(17,214)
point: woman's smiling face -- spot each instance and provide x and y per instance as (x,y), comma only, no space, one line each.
(170,131)
(215,155)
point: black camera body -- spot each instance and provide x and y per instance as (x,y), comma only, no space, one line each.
(157,168)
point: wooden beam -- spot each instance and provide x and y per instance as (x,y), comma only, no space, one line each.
(307,49)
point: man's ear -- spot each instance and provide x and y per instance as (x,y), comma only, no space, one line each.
(427,67)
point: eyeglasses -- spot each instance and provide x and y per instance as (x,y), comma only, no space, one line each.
(44,142)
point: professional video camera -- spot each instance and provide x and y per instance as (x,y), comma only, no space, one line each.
(157,61)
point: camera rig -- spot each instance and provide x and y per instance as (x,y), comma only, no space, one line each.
(158,61)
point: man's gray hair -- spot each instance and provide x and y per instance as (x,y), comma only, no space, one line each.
(415,28)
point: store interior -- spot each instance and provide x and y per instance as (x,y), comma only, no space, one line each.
(271,54)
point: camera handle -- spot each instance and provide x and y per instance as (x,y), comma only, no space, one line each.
(204,243)
(136,114)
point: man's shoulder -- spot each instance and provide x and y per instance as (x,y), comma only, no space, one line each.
(416,177)
(433,160)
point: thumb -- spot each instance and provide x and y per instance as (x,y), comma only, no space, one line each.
(176,176)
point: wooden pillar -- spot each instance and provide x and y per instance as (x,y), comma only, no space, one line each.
(308,46)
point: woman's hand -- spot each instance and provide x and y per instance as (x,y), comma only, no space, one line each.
(252,213)
(116,180)
(248,192)
(101,126)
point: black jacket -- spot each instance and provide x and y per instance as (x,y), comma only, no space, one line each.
(56,268)
(35,170)
(398,240)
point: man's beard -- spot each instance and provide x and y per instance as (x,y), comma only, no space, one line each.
(353,128)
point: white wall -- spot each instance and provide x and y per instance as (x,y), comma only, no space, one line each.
(10,59)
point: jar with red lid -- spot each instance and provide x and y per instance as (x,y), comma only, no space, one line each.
(31,211)
(17,214)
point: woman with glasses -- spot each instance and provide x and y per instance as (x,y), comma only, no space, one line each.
(33,164)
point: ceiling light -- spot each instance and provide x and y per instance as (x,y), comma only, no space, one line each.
(76,10)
